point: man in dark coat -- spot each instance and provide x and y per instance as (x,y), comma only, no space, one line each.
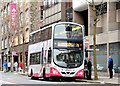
(89,65)
(85,69)
(110,66)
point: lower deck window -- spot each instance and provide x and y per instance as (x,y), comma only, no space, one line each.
(35,58)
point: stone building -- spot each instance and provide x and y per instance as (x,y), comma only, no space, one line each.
(107,32)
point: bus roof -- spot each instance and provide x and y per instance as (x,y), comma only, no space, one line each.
(52,25)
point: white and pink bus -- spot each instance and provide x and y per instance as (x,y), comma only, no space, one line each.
(57,51)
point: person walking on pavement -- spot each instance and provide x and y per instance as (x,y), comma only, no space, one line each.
(110,66)
(20,66)
(89,65)
(9,65)
(16,66)
(5,65)
(85,69)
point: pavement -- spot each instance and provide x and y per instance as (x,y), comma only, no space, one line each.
(102,79)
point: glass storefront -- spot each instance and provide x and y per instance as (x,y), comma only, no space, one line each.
(115,54)
(101,58)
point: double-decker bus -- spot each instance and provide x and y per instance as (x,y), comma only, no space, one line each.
(57,51)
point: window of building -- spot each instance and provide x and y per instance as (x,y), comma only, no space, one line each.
(118,5)
(35,58)
(115,54)
(41,12)
(21,20)
(26,1)
(5,12)
(101,57)
(21,38)
(101,9)
(5,28)
(2,44)
(2,30)
(21,3)
(16,40)
(2,14)
(27,16)
(27,35)
(15,1)
(5,42)
(8,24)
(49,3)
(69,14)
(39,36)
(8,9)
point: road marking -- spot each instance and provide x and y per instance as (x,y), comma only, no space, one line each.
(9,82)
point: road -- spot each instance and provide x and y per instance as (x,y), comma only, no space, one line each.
(11,79)
(14,78)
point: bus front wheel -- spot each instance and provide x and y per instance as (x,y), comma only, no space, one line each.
(44,75)
(32,77)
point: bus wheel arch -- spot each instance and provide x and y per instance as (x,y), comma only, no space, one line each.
(44,75)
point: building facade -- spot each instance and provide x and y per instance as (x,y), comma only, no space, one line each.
(12,40)
(107,32)
(30,17)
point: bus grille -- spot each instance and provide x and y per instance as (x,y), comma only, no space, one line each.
(68,73)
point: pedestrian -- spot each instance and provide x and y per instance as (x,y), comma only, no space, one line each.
(20,66)
(85,69)
(5,65)
(9,66)
(89,65)
(16,66)
(110,66)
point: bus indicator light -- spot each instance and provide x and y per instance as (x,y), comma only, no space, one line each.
(54,72)
(80,74)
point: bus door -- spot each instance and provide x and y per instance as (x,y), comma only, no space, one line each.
(48,62)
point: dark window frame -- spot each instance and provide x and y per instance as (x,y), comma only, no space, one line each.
(98,8)
(117,5)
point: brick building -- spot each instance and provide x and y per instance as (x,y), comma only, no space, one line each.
(25,13)
(30,16)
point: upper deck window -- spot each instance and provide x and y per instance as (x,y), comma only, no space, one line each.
(68,31)
(42,35)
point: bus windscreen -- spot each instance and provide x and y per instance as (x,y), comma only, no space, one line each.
(68,31)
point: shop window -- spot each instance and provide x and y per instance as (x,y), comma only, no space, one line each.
(101,57)
(115,54)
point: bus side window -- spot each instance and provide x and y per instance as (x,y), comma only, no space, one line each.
(49,56)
